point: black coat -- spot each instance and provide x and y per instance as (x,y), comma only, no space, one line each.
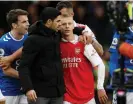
(40,65)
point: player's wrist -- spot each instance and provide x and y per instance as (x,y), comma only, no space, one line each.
(99,87)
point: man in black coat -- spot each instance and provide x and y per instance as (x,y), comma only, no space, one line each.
(40,68)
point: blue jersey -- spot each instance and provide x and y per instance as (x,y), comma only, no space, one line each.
(8,45)
(114,54)
(114,57)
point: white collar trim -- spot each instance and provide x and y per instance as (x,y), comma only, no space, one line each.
(73,41)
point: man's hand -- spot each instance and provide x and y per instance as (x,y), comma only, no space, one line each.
(31,95)
(85,39)
(102,96)
(5,62)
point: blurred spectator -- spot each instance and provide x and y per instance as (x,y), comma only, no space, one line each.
(1,31)
(33,13)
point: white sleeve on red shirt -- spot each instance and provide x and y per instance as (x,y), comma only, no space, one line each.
(101,76)
(92,55)
(1,95)
(95,60)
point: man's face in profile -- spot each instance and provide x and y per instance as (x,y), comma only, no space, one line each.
(56,23)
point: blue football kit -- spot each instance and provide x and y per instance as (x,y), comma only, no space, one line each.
(114,64)
(8,45)
(114,57)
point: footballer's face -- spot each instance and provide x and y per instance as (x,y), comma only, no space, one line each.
(22,24)
(67,26)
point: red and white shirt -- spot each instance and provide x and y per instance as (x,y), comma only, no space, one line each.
(77,70)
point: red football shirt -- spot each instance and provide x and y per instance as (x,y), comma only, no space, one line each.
(78,74)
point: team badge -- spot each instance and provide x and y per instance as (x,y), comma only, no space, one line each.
(115,41)
(77,50)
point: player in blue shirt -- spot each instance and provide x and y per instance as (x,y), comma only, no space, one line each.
(9,43)
(113,64)
(114,60)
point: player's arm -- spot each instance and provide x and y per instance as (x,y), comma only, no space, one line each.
(97,63)
(16,54)
(126,50)
(7,60)
(99,67)
(11,72)
(11,58)
(100,70)
(98,47)
(90,38)
(2,98)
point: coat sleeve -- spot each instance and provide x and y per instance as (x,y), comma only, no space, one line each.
(78,30)
(29,52)
(126,50)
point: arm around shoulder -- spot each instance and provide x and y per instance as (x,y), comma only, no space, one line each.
(98,47)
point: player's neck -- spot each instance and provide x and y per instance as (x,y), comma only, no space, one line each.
(16,35)
(69,37)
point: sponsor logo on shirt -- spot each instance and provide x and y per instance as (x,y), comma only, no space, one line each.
(70,62)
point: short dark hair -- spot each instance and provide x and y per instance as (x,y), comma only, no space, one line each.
(49,13)
(12,15)
(64,4)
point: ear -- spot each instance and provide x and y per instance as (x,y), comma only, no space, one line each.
(72,14)
(49,22)
(14,25)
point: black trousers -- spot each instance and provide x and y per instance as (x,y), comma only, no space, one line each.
(42,100)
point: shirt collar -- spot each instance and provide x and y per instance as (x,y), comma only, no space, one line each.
(73,41)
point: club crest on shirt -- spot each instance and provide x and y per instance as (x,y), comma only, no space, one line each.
(77,50)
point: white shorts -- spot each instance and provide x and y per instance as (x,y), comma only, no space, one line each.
(1,95)
(129,98)
(2,98)
(21,99)
(92,101)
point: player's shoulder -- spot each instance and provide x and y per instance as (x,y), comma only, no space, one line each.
(116,34)
(25,36)
(5,38)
